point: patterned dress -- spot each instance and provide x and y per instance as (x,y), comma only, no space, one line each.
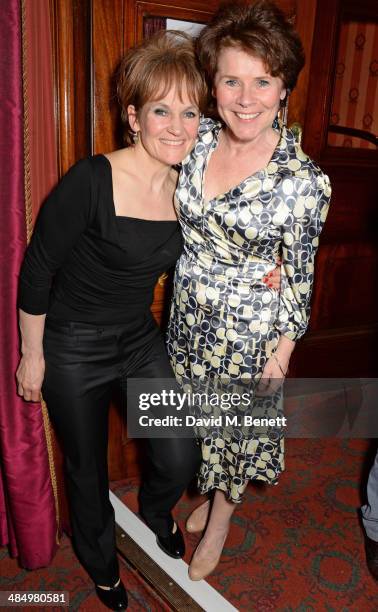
(224,320)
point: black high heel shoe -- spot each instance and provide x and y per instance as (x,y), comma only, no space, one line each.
(173,544)
(114,598)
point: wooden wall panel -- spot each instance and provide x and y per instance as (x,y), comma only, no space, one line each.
(345,352)
(347,270)
(320,83)
(199,12)
(64,70)
(71,43)
(343,324)
(304,23)
(107,37)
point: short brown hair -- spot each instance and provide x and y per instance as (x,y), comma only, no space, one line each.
(260,29)
(149,70)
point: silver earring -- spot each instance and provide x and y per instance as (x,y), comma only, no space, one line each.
(136,137)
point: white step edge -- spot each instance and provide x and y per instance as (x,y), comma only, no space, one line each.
(205,595)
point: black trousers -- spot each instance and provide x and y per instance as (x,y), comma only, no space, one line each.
(83,363)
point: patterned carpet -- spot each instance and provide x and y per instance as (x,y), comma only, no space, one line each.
(66,574)
(296,547)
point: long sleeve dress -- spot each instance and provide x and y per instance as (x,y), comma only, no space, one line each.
(224,320)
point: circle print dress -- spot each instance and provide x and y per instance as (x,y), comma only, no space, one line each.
(224,321)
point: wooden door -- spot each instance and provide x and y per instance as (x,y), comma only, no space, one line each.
(342,101)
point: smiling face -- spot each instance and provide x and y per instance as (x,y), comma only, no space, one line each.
(167,126)
(248,97)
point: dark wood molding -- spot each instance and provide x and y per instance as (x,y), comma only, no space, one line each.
(360,11)
(304,21)
(354,133)
(144,9)
(108,25)
(329,16)
(174,595)
(347,352)
(70,33)
(63,32)
(322,68)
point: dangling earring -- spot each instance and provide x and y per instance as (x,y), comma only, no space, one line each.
(285,109)
(136,137)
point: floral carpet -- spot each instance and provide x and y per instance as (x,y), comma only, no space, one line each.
(297,546)
(66,574)
(294,547)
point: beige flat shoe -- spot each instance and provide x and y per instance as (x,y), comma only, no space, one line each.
(200,568)
(197,520)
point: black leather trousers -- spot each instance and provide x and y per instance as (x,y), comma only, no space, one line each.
(83,363)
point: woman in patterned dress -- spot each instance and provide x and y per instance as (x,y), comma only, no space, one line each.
(247,194)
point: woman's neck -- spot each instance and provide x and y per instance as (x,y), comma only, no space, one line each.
(154,174)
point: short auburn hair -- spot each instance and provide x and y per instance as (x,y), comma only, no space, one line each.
(260,29)
(149,70)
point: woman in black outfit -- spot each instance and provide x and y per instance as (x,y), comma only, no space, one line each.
(102,239)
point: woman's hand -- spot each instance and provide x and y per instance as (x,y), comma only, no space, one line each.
(273,375)
(31,369)
(273,278)
(276,367)
(29,375)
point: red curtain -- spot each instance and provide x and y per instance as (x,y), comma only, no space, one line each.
(27,509)
(39,102)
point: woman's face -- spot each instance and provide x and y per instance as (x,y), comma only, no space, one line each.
(248,98)
(167,126)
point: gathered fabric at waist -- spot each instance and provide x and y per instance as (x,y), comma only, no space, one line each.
(245,273)
(234,298)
